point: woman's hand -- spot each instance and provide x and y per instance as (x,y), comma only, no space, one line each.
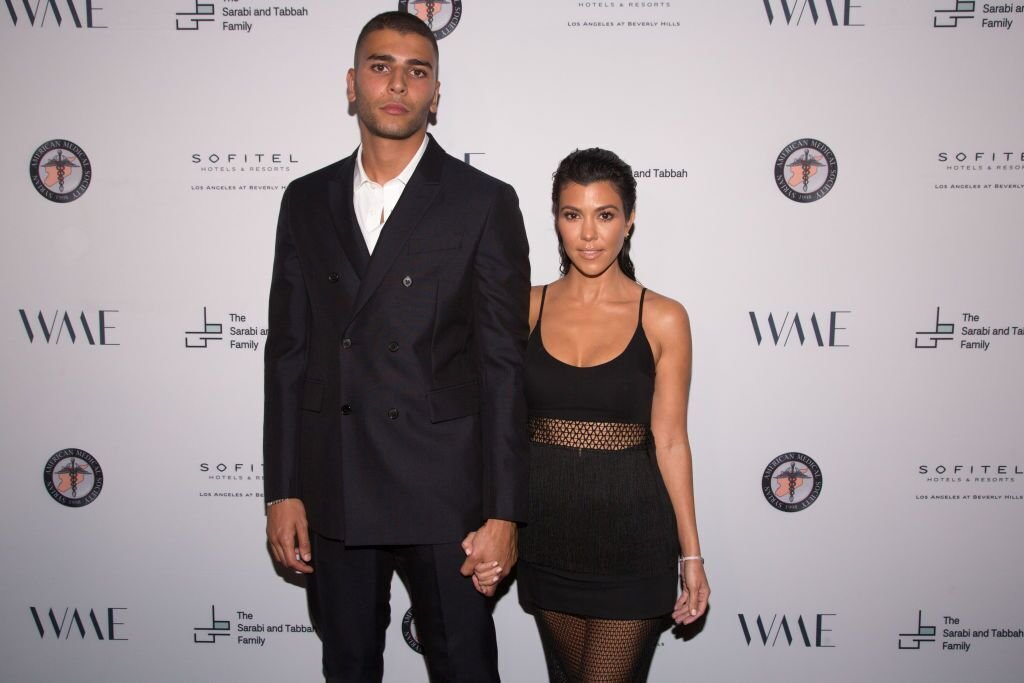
(486,575)
(693,601)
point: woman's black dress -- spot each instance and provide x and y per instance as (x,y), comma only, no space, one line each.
(601,536)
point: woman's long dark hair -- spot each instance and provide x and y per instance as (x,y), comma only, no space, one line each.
(586,166)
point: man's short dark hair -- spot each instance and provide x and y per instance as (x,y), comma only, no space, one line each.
(401,22)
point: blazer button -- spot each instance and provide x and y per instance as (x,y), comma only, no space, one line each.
(332,277)
(393,414)
(407,281)
(346,343)
(392,346)
(346,409)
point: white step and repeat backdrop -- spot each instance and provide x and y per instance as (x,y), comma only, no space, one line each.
(834,190)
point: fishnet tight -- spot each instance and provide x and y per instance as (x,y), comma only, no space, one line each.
(585,650)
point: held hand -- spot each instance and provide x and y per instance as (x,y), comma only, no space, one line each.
(467,542)
(288,534)
(693,601)
(485,574)
(491,549)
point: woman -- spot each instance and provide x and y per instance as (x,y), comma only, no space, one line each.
(607,375)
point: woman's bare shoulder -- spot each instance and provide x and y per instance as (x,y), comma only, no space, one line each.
(666,321)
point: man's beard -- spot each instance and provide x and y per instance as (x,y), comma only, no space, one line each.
(370,118)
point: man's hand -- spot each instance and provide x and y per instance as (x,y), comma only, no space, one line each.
(288,534)
(490,554)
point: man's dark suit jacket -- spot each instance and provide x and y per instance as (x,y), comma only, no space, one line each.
(394,404)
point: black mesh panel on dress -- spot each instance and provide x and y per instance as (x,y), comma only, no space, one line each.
(585,650)
(598,436)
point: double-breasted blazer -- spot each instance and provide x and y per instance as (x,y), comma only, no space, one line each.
(394,405)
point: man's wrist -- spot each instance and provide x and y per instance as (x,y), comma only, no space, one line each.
(493,521)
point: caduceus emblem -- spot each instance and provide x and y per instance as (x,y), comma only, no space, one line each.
(427,9)
(57,168)
(808,165)
(70,475)
(790,480)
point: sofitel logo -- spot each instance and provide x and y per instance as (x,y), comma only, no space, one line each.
(782,330)
(79,13)
(782,627)
(237,480)
(51,329)
(101,627)
(232,161)
(442,16)
(242,171)
(981,161)
(840,17)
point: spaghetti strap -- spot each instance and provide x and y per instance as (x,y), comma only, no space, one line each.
(640,316)
(540,311)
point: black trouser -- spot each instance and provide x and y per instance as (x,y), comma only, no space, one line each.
(349,595)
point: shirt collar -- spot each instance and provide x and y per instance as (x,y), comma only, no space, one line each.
(360,175)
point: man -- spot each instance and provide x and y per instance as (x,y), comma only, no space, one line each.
(395,419)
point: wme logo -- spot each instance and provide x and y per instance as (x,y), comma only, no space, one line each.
(782,330)
(51,330)
(777,627)
(836,18)
(80,13)
(101,627)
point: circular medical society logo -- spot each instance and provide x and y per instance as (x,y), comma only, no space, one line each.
(442,16)
(409,632)
(806,170)
(791,482)
(60,171)
(73,477)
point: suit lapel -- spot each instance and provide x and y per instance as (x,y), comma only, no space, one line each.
(342,211)
(416,198)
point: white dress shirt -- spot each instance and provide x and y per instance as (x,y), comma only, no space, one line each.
(373,202)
